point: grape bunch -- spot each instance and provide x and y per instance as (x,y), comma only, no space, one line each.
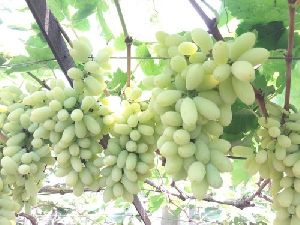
(8,207)
(129,155)
(278,158)
(25,154)
(193,97)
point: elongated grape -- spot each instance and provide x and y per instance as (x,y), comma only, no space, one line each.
(244,91)
(243,71)
(168,97)
(220,52)
(255,56)
(202,39)
(207,108)
(241,44)
(194,76)
(188,111)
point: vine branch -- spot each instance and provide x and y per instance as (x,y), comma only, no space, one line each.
(41,82)
(289,55)
(31,218)
(140,209)
(210,23)
(128,41)
(240,203)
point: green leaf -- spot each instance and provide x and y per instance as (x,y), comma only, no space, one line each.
(84,12)
(83,25)
(243,120)
(57,7)
(274,71)
(225,17)
(118,81)
(106,32)
(20,64)
(155,202)
(149,67)
(2,59)
(239,173)
(37,48)
(268,34)
(119,43)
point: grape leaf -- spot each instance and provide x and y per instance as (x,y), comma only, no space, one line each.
(37,48)
(268,34)
(59,8)
(119,43)
(239,173)
(155,202)
(148,66)
(243,120)
(84,12)
(20,64)
(106,32)
(274,70)
(118,81)
(83,24)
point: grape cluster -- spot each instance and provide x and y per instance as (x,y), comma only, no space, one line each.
(25,154)
(278,158)
(193,97)
(130,152)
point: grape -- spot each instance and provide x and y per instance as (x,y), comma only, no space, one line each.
(207,108)
(285,197)
(220,161)
(198,57)
(196,171)
(91,124)
(244,91)
(213,176)
(188,112)
(225,115)
(255,56)
(243,71)
(187,48)
(178,63)
(187,150)
(202,39)
(241,44)
(75,73)
(226,91)
(168,97)
(194,76)
(181,137)
(199,189)
(261,157)
(222,72)
(220,52)
(94,87)
(171,118)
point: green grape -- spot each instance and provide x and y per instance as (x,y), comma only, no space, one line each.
(187,48)
(213,176)
(181,137)
(173,164)
(168,97)
(187,150)
(161,36)
(178,63)
(220,52)
(91,67)
(93,85)
(171,118)
(207,108)
(196,172)
(131,161)
(220,161)
(255,56)
(222,72)
(199,189)
(225,115)
(227,92)
(261,157)
(75,73)
(202,152)
(243,71)
(145,130)
(244,91)
(285,197)
(194,76)
(41,114)
(91,124)
(284,141)
(188,111)
(241,44)
(202,39)
(198,57)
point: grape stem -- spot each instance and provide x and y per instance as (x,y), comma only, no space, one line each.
(32,219)
(289,55)
(240,203)
(128,41)
(3,138)
(140,209)
(41,82)
(210,23)
(259,97)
